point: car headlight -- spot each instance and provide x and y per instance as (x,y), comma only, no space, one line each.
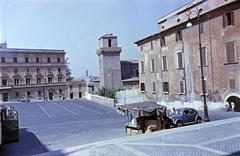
(173,119)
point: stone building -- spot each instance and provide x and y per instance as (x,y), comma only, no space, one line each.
(109,61)
(169,60)
(112,70)
(37,74)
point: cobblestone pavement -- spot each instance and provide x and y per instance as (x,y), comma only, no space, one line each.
(211,138)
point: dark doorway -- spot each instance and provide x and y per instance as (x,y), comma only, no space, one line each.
(236,102)
(71,95)
(80,94)
(50,95)
(5,97)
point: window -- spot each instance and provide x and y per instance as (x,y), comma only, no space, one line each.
(48,59)
(59,79)
(59,70)
(60,90)
(58,60)
(151,45)
(3,59)
(230,52)
(201,28)
(79,88)
(38,70)
(181,87)
(142,65)
(204,58)
(232,83)
(16,81)
(27,80)
(141,48)
(49,79)
(71,88)
(28,93)
(162,41)
(37,59)
(165,87)
(178,36)
(26,59)
(142,86)
(154,87)
(17,94)
(3,71)
(109,43)
(152,62)
(180,63)
(164,59)
(228,19)
(4,82)
(27,70)
(49,70)
(39,92)
(15,71)
(15,59)
(39,80)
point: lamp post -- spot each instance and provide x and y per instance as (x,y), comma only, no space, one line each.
(206,117)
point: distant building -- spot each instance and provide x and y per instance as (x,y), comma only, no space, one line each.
(38,74)
(169,61)
(129,72)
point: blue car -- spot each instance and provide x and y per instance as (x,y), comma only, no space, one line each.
(183,116)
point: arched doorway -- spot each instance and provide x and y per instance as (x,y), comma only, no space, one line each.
(236,101)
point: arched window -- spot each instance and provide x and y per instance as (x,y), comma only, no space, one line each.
(109,43)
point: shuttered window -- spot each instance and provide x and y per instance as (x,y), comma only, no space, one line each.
(232,83)
(142,65)
(204,59)
(164,59)
(165,87)
(230,52)
(228,19)
(181,87)
(154,87)
(180,64)
(153,67)
(178,36)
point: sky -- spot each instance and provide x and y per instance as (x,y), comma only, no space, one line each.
(76,25)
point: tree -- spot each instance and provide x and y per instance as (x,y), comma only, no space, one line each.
(107,91)
(68,71)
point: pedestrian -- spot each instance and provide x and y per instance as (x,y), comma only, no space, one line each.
(233,105)
(227,106)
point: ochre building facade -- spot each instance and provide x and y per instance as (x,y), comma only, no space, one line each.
(169,61)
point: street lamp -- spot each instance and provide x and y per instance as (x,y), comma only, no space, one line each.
(189,24)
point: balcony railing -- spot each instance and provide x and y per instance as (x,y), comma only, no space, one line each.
(5,87)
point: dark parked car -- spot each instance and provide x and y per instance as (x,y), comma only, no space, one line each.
(183,116)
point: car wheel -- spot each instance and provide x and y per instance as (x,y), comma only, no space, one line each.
(199,120)
(179,124)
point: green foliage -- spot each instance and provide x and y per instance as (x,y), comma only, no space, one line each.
(68,71)
(107,91)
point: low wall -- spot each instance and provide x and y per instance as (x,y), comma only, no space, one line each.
(100,99)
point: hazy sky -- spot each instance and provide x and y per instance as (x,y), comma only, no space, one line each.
(76,25)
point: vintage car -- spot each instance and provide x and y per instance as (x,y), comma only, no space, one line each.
(144,117)
(9,126)
(183,116)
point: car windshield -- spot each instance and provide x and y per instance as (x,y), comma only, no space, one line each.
(176,112)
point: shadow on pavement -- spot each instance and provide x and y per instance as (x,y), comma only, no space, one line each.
(28,145)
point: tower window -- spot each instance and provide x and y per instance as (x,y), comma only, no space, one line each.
(109,43)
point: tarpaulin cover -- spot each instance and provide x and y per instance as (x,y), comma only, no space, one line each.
(147,108)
